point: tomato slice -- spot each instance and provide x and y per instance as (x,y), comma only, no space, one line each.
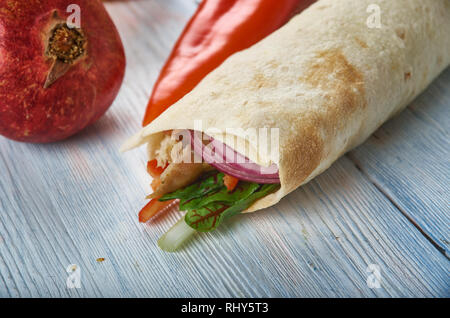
(230,182)
(152,208)
(153,169)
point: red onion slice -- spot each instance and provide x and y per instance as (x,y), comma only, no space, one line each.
(229,161)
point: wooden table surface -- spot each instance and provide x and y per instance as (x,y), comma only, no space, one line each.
(380,214)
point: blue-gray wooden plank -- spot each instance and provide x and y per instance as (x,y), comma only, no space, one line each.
(64,209)
(76,201)
(409,158)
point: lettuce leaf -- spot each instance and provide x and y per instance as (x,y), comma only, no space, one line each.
(208,201)
(210,216)
(210,183)
(242,190)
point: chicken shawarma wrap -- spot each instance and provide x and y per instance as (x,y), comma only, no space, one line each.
(276,115)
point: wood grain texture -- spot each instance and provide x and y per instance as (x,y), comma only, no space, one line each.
(76,201)
(409,158)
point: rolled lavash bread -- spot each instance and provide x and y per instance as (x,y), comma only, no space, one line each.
(327,80)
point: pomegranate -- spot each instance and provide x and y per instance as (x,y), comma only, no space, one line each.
(61,67)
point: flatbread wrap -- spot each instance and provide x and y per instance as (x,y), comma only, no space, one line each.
(326,80)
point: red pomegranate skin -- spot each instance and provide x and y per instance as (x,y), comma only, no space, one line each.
(29,112)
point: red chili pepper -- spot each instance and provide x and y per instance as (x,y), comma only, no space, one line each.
(218,29)
(152,208)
